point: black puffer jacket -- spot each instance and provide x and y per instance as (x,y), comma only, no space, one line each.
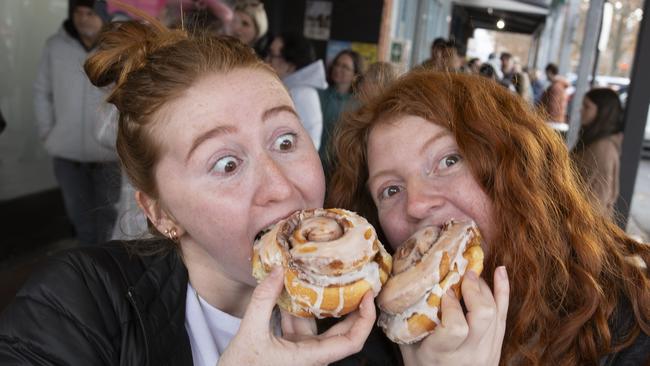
(99,306)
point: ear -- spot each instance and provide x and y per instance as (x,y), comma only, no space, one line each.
(157,215)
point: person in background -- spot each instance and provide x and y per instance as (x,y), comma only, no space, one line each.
(131,223)
(554,100)
(459,52)
(213,16)
(474,65)
(494,61)
(521,82)
(67,112)
(535,83)
(346,67)
(437,146)
(377,77)
(293,57)
(250,25)
(598,151)
(507,70)
(444,56)
(488,71)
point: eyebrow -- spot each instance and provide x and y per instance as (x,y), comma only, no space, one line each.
(433,139)
(229,129)
(422,150)
(217,131)
(272,112)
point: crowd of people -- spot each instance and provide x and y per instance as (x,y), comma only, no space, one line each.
(218,137)
(550,95)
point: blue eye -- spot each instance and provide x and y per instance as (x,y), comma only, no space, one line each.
(226,165)
(449,161)
(389,191)
(286,142)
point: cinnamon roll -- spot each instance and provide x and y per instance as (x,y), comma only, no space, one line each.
(331,258)
(430,262)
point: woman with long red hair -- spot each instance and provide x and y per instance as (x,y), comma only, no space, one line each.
(436,146)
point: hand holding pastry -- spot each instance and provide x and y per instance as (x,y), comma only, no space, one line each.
(420,302)
(255,343)
(474,338)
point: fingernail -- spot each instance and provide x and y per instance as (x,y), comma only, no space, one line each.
(451,293)
(502,272)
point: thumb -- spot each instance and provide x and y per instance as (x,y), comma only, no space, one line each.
(259,310)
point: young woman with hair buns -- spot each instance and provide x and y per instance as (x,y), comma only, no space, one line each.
(439,146)
(212,170)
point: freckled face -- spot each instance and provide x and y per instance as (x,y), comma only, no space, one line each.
(418,177)
(234,159)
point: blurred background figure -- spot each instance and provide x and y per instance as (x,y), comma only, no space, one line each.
(346,67)
(536,84)
(554,100)
(374,79)
(377,77)
(444,56)
(213,16)
(496,65)
(598,152)
(250,25)
(474,65)
(521,82)
(294,59)
(67,111)
(488,71)
(507,70)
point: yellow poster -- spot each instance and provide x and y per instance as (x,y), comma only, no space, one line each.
(367,50)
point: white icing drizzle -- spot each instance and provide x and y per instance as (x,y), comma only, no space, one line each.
(409,298)
(356,252)
(404,289)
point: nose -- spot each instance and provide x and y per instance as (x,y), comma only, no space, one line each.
(274,184)
(423,199)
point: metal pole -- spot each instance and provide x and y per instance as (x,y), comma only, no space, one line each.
(636,117)
(587,57)
(556,36)
(419,38)
(571,23)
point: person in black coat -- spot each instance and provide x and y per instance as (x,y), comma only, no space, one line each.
(212,142)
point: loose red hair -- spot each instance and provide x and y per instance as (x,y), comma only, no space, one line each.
(568,265)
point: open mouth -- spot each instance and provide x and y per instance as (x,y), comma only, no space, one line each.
(270,226)
(262,232)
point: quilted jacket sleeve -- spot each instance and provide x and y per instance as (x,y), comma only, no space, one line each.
(63,315)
